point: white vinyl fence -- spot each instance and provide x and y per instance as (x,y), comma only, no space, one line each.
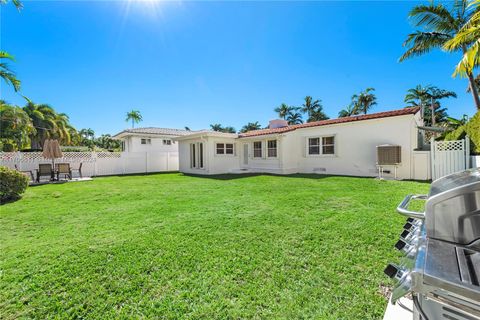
(97,163)
(449,157)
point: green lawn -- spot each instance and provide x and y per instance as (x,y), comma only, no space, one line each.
(175,246)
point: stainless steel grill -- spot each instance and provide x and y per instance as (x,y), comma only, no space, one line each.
(441,267)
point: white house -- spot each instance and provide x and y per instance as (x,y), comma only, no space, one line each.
(150,139)
(344,146)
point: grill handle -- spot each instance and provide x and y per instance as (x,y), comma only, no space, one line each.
(403,206)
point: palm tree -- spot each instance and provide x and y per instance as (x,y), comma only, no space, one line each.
(15,125)
(283,110)
(218,127)
(134,116)
(468,34)
(87,133)
(310,106)
(428,96)
(294,118)
(251,126)
(5,73)
(347,112)
(364,101)
(44,120)
(439,26)
(317,115)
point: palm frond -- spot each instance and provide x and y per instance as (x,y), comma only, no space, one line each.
(421,42)
(433,17)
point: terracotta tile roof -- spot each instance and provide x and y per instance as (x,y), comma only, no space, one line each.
(378,115)
(153,131)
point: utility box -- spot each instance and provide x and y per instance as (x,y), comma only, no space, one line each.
(389,155)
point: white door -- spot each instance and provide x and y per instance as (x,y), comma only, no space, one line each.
(245,154)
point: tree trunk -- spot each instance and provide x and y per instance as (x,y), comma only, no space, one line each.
(473,86)
(474,89)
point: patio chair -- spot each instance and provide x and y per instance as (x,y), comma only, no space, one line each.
(28,173)
(79,170)
(44,170)
(64,168)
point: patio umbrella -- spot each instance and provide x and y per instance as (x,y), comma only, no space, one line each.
(51,150)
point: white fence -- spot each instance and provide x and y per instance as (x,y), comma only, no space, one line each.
(98,163)
(449,157)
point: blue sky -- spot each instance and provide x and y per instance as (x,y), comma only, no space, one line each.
(197,63)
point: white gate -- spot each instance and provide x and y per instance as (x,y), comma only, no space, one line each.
(449,157)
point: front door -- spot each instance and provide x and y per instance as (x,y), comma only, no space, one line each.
(245,154)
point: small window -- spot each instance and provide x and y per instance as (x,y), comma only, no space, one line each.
(321,145)
(220,148)
(328,145)
(200,155)
(228,148)
(314,146)
(167,142)
(272,148)
(146,141)
(193,156)
(257,149)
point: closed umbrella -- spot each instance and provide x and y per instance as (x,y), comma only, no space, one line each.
(51,150)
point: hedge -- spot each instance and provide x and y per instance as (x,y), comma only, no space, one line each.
(472,129)
(12,184)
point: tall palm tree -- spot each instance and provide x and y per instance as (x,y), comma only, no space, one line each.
(44,120)
(134,116)
(468,34)
(310,106)
(251,126)
(347,112)
(216,127)
(283,110)
(5,73)
(426,97)
(294,118)
(440,25)
(365,101)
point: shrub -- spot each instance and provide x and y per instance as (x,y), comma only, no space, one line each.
(8,147)
(472,129)
(12,184)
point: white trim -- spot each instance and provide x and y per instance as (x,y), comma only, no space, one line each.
(225,154)
(267,148)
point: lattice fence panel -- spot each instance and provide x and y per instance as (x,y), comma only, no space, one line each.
(450,145)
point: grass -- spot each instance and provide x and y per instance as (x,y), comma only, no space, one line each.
(174,246)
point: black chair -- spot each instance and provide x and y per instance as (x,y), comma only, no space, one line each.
(44,170)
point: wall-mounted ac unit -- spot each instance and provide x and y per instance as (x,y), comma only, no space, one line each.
(388,154)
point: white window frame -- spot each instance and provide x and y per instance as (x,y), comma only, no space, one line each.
(224,149)
(268,148)
(147,141)
(254,149)
(167,142)
(321,145)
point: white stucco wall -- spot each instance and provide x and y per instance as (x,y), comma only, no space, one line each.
(134,144)
(355,150)
(213,163)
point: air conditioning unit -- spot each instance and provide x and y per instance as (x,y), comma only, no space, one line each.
(388,154)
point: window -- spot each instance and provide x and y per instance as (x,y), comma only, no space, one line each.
(200,155)
(146,141)
(272,148)
(314,146)
(257,149)
(167,142)
(224,148)
(220,148)
(193,156)
(328,145)
(228,148)
(196,155)
(321,146)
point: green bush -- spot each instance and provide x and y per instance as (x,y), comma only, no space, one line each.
(472,129)
(12,184)
(8,147)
